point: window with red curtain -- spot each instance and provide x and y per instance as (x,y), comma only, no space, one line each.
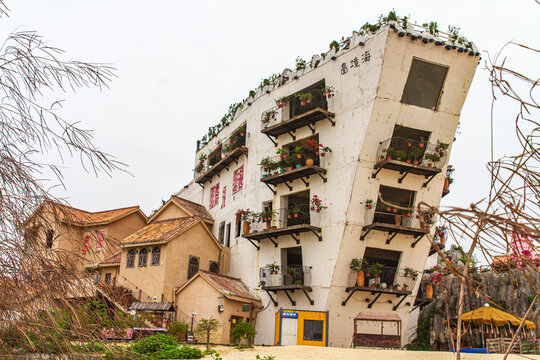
(214,195)
(238,179)
(86,243)
(224,197)
(100,239)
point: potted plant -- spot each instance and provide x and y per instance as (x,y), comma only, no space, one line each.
(298,282)
(448,179)
(273,267)
(433,157)
(246,217)
(199,167)
(295,211)
(440,233)
(422,142)
(289,276)
(401,155)
(299,152)
(428,290)
(359,265)
(426,219)
(369,203)
(405,287)
(328,91)
(242,130)
(282,101)
(305,98)
(410,272)
(377,269)
(267,216)
(275,277)
(267,164)
(324,150)
(262,284)
(268,116)
(283,153)
(316,204)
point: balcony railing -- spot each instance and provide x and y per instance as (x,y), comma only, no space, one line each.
(206,169)
(285,276)
(292,221)
(282,164)
(411,157)
(295,114)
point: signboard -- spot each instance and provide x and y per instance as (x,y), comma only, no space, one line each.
(289,314)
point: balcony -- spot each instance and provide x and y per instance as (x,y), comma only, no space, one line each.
(210,167)
(287,279)
(293,115)
(392,281)
(283,172)
(396,221)
(290,221)
(408,156)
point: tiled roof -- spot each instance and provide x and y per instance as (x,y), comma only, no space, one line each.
(114,259)
(192,207)
(228,286)
(160,231)
(71,214)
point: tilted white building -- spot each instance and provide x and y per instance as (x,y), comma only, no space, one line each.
(397,98)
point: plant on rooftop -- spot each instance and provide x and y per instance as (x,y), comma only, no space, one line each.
(300,63)
(432,27)
(334,45)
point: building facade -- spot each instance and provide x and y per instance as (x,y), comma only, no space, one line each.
(378,127)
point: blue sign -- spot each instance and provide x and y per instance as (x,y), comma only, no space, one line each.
(289,314)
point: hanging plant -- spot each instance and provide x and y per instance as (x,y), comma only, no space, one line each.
(282,101)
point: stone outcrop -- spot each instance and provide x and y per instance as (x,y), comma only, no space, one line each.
(509,289)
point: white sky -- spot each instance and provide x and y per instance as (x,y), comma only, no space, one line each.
(180,64)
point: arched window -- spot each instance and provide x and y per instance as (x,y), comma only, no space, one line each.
(143,257)
(193,267)
(130,259)
(214,267)
(156,255)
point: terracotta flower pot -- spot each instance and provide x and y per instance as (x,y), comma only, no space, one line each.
(421,145)
(246,227)
(308,101)
(289,216)
(298,156)
(398,220)
(312,208)
(302,103)
(323,154)
(324,94)
(415,162)
(295,215)
(446,184)
(309,162)
(429,291)
(360,278)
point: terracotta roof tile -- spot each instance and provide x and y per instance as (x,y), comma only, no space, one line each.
(228,286)
(71,214)
(160,231)
(194,208)
(114,259)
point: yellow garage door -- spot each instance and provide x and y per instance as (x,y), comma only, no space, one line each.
(312,328)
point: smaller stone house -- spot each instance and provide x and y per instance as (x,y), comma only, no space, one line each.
(222,297)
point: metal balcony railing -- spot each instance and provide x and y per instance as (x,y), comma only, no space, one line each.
(390,278)
(413,152)
(285,275)
(388,214)
(233,142)
(295,107)
(282,163)
(287,217)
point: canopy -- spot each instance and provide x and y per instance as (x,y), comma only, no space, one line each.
(488,315)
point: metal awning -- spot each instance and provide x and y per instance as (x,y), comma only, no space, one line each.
(152,306)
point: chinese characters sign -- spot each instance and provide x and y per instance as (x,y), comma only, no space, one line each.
(354,63)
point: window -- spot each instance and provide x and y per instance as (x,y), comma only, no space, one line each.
(214,267)
(224,197)
(100,239)
(228,236)
(49,238)
(221,234)
(108,278)
(238,225)
(143,257)
(130,259)
(193,266)
(388,258)
(313,330)
(214,195)
(156,255)
(86,243)
(238,179)
(424,84)
(386,214)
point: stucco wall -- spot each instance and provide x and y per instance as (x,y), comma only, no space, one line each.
(171,211)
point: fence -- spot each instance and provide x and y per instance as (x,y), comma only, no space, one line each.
(276,275)
(413,152)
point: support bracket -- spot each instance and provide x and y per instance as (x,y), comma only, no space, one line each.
(295,238)
(370,305)
(320,173)
(201,185)
(317,235)
(289,296)
(344,302)
(304,181)
(272,190)
(312,131)
(392,235)
(272,240)
(374,175)
(363,236)
(271,298)
(400,180)
(399,303)
(288,186)
(310,301)
(257,246)
(290,133)
(417,240)
(272,140)
(235,161)
(226,167)
(430,178)
(331,121)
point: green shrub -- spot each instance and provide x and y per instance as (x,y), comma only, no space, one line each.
(178,330)
(153,344)
(242,330)
(119,353)
(173,352)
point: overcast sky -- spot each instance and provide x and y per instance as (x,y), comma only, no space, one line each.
(180,64)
